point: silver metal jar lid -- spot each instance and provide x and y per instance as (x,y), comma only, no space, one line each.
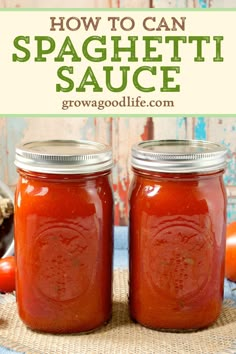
(64,156)
(180,156)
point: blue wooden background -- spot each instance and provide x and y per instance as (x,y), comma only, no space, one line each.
(121,133)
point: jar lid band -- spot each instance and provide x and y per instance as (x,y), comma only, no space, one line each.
(180,156)
(64,156)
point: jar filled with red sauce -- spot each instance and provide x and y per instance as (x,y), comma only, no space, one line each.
(177,234)
(64,235)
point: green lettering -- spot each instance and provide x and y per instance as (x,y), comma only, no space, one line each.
(131,49)
(152,70)
(60,74)
(167,78)
(149,49)
(70,51)
(124,70)
(218,40)
(17,45)
(102,51)
(199,40)
(176,40)
(41,40)
(89,79)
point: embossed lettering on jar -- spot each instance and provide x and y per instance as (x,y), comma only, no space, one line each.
(63,235)
(177,233)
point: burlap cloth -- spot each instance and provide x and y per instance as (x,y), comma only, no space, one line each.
(120,335)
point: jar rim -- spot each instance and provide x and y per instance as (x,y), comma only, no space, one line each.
(181,156)
(64,156)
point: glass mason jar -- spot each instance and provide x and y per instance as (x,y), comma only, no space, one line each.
(64,235)
(177,233)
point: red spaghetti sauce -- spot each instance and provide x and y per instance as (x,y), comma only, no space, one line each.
(177,236)
(63,236)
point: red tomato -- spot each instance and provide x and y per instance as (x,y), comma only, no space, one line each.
(7,274)
(230,256)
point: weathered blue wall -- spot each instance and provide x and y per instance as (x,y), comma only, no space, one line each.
(121,133)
